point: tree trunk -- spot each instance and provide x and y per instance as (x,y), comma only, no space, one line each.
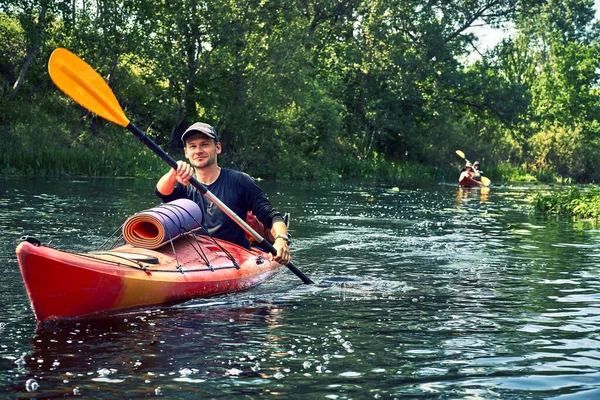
(30,52)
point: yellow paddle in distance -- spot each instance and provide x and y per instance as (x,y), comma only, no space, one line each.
(484,181)
(461,155)
(78,80)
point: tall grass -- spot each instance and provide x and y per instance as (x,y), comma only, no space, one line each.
(81,162)
(573,202)
(43,144)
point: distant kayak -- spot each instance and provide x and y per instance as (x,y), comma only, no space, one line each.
(469,182)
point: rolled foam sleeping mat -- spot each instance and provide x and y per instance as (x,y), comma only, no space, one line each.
(152,228)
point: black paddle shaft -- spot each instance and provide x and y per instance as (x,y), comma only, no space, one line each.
(205,192)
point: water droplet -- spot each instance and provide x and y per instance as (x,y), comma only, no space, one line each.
(20,361)
(31,385)
(233,372)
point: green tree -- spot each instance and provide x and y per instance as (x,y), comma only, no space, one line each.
(12,45)
(560,67)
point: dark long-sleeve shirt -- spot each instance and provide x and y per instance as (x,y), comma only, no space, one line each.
(240,193)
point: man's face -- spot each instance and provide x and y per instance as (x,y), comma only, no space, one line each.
(201,150)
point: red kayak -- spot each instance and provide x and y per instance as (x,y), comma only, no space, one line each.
(469,182)
(62,284)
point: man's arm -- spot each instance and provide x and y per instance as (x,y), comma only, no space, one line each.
(272,219)
(166,184)
(183,174)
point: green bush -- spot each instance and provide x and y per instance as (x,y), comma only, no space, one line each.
(573,203)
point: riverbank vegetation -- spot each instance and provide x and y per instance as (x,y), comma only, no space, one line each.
(574,202)
(321,90)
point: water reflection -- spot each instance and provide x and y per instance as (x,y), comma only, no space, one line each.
(152,348)
(476,193)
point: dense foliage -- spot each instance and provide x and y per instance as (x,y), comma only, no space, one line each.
(309,89)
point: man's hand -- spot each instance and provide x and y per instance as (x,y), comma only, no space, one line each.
(283,251)
(282,242)
(183,173)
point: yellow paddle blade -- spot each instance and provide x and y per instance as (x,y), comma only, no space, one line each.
(462,155)
(485,181)
(80,82)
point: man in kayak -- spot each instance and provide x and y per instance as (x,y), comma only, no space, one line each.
(477,172)
(236,189)
(467,172)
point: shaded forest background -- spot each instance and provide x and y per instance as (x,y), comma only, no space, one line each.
(310,89)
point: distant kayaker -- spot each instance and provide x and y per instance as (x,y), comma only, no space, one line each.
(467,172)
(477,172)
(236,189)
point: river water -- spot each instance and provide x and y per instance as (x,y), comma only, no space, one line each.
(423,291)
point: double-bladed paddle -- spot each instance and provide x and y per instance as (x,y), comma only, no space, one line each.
(484,181)
(78,80)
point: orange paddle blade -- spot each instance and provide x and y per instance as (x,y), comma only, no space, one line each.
(83,84)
